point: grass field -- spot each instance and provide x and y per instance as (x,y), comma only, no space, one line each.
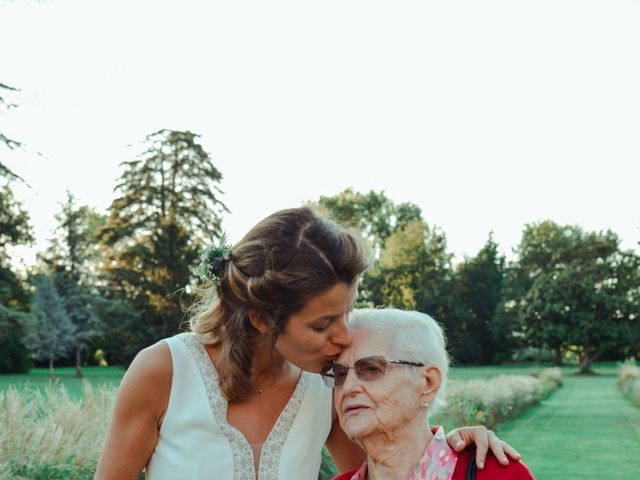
(585,430)
(39,378)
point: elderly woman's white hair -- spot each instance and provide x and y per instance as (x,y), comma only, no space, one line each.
(413,336)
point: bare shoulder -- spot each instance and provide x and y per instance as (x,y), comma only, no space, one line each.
(140,405)
(148,378)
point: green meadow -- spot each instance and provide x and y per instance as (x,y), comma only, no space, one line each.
(585,429)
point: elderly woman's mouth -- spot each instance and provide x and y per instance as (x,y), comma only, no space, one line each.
(354,409)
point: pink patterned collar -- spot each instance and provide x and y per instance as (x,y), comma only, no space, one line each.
(437,463)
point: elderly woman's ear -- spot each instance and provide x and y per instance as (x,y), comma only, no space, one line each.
(432,378)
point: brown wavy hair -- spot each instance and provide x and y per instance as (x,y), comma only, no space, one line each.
(285,259)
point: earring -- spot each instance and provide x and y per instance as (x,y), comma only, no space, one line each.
(425,405)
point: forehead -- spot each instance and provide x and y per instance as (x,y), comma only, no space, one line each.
(367,343)
(335,301)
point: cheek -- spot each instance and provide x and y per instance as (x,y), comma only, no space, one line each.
(395,409)
(301,342)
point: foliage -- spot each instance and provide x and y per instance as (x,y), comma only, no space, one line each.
(15,354)
(14,222)
(168,207)
(172,181)
(495,401)
(629,380)
(373,213)
(5,104)
(52,328)
(73,258)
(576,290)
(328,469)
(124,333)
(478,286)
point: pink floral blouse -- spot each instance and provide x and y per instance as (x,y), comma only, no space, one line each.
(437,463)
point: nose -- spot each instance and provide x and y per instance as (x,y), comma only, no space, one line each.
(341,335)
(351,383)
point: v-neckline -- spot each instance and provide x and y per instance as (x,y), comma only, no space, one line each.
(243,457)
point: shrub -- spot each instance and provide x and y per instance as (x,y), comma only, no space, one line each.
(497,400)
(629,380)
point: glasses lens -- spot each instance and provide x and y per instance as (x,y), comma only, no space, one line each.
(370,368)
(340,373)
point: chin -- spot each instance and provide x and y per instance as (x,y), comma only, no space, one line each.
(310,366)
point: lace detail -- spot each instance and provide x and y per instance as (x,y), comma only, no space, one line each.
(270,455)
(242,453)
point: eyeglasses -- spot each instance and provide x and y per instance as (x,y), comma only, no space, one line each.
(367,369)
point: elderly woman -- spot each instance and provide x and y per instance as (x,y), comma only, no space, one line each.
(386,383)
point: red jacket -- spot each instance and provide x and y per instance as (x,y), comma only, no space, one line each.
(492,469)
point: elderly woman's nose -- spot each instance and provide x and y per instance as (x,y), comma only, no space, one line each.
(351,383)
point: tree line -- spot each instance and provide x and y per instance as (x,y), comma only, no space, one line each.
(114,283)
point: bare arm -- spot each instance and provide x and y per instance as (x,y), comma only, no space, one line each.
(140,405)
(345,454)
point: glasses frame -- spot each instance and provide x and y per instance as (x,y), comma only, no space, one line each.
(330,380)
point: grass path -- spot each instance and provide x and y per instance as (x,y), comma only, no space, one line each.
(585,430)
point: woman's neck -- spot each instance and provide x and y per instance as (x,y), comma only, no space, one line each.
(395,454)
(267,365)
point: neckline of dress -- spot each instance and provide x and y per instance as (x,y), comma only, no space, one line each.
(220,405)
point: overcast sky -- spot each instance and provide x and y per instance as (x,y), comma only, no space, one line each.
(488,114)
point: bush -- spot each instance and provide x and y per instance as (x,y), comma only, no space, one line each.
(493,402)
(629,380)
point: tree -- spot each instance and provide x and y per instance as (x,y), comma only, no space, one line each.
(579,290)
(373,213)
(11,144)
(478,286)
(52,327)
(72,257)
(175,180)
(168,208)
(15,229)
(14,222)
(15,354)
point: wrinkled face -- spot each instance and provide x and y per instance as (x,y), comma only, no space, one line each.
(315,335)
(383,405)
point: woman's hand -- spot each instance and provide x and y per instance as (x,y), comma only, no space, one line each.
(484,439)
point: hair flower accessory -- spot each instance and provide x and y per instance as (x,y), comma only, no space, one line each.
(213,261)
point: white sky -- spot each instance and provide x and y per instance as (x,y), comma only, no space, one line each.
(488,114)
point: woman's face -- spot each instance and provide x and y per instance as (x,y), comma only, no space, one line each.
(384,405)
(315,335)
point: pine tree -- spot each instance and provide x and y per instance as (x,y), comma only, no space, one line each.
(52,329)
(168,208)
(72,257)
(5,171)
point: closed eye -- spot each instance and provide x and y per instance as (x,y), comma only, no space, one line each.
(322,326)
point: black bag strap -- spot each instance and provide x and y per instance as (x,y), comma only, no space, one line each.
(471,469)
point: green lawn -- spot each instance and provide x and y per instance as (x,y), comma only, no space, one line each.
(39,378)
(585,430)
(458,373)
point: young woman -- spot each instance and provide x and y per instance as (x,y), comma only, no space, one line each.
(239,397)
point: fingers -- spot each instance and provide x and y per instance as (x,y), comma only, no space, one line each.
(481,437)
(512,452)
(456,441)
(497,446)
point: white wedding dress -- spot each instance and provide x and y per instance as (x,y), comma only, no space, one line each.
(197,443)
